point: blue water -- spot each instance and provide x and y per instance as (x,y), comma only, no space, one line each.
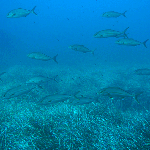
(110,124)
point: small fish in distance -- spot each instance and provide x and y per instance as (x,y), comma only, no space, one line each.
(20,12)
(113,14)
(17,91)
(118,92)
(110,33)
(80,48)
(130,42)
(41,56)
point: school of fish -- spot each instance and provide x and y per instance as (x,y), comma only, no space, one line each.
(73,99)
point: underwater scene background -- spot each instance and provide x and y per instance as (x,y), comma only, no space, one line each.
(97,97)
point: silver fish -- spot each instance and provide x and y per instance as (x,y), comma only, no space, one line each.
(17,13)
(53,99)
(41,56)
(130,42)
(143,71)
(80,48)
(110,33)
(117,92)
(17,91)
(113,14)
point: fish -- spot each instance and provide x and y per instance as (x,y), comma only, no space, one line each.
(117,92)
(80,48)
(53,99)
(110,33)
(17,91)
(40,79)
(41,56)
(20,12)
(120,93)
(144,71)
(130,42)
(113,14)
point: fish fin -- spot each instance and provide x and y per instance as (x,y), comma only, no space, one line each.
(32,11)
(54,58)
(76,97)
(124,14)
(40,86)
(144,43)
(136,97)
(75,94)
(124,32)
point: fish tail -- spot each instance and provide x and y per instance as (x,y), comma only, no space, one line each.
(75,94)
(144,43)
(54,58)
(136,97)
(32,11)
(124,14)
(124,32)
